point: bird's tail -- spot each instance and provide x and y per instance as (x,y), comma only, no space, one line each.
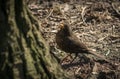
(100,56)
(103,57)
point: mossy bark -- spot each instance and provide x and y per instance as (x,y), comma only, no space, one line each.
(23,52)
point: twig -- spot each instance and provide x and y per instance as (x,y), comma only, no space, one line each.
(83,13)
(49,14)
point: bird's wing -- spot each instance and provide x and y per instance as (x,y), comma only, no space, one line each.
(76,42)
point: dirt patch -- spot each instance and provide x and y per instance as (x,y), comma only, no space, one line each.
(96,23)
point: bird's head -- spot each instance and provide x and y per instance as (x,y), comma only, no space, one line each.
(65,29)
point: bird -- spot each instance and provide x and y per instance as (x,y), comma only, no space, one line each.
(68,42)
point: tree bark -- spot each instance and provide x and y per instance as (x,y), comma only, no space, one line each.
(23,52)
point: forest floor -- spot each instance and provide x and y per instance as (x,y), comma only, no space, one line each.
(96,23)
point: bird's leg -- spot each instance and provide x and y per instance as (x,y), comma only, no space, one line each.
(74,57)
(65,58)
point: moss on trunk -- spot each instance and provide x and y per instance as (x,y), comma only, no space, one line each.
(23,52)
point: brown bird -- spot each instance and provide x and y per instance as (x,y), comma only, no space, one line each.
(69,43)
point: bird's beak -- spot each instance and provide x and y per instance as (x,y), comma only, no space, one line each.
(61,26)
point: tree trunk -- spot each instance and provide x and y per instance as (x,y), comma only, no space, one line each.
(23,51)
